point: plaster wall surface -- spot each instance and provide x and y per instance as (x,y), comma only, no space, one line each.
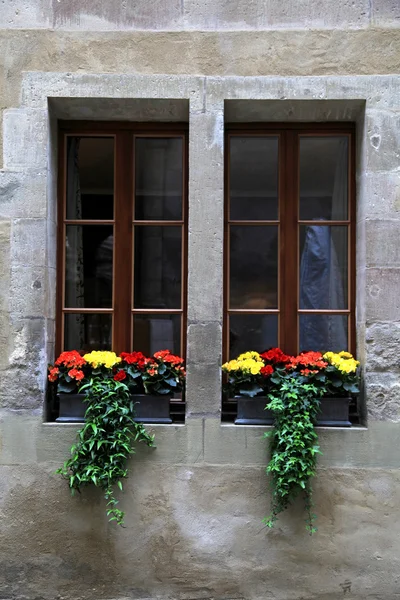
(194,505)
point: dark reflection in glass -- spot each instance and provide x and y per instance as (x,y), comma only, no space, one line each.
(157,332)
(252,332)
(253,176)
(323,267)
(253,266)
(90,178)
(324,178)
(158,267)
(88,266)
(158,178)
(87,332)
(323,333)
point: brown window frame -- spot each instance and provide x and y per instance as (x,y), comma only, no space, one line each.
(123,309)
(288,223)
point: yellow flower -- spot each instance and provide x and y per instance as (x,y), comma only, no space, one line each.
(344,354)
(343,361)
(99,358)
(252,355)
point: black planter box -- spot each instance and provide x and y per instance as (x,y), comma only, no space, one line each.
(334,412)
(251,411)
(152,409)
(148,409)
(72,408)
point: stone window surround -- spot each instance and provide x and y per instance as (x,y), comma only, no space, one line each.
(371,101)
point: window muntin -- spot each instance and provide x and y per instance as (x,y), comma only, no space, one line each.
(314,254)
(116,272)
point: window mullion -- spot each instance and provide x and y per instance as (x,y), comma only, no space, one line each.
(123,268)
(289,247)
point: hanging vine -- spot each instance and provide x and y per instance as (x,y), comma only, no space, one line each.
(293,444)
(105,442)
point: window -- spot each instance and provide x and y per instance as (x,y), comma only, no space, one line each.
(289,238)
(122,237)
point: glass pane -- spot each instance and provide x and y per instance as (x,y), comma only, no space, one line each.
(323,267)
(157,332)
(158,178)
(253,266)
(323,333)
(158,267)
(252,332)
(253,178)
(87,332)
(89,266)
(324,177)
(90,178)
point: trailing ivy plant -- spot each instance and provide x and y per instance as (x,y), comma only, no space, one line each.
(104,444)
(293,443)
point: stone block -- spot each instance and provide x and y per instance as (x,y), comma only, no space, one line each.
(5,243)
(37,87)
(29,291)
(385,13)
(23,382)
(258,14)
(23,194)
(382,144)
(383,295)
(382,243)
(383,396)
(25,144)
(29,242)
(203,389)
(378,195)
(204,343)
(95,15)
(383,347)
(206,217)
(25,14)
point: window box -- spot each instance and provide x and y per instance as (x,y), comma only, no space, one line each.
(148,408)
(334,412)
(251,411)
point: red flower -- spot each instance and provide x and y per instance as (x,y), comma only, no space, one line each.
(70,359)
(120,376)
(53,375)
(152,371)
(76,374)
(167,357)
(275,355)
(134,358)
(307,359)
(267,370)
(308,371)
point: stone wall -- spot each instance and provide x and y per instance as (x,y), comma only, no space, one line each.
(195,504)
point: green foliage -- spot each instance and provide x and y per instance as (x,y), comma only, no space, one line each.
(162,378)
(104,444)
(241,383)
(293,444)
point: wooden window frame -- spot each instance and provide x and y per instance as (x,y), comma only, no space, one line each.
(288,227)
(123,221)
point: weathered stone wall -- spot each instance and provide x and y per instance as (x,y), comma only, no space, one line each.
(195,504)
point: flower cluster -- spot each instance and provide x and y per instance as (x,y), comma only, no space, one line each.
(162,373)
(98,358)
(248,362)
(344,361)
(253,374)
(68,371)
